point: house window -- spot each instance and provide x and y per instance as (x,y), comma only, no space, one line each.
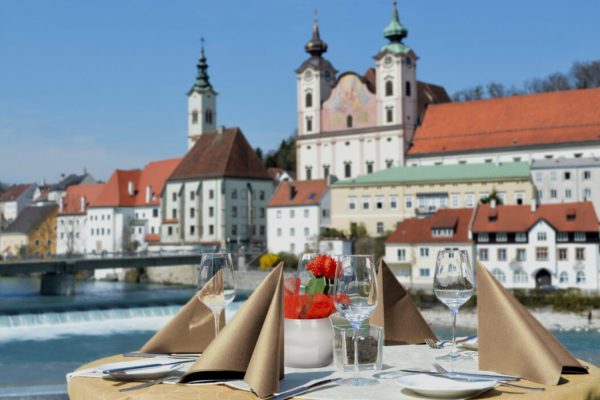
(401,254)
(424,272)
(262,230)
(349,121)
(540,193)
(501,254)
(483,237)
(234,194)
(483,254)
(308,100)
(564,277)
(351,203)
(261,212)
(194,117)
(552,175)
(580,253)
(174,213)
(379,202)
(521,237)
(192,230)
(519,196)
(192,212)
(587,194)
(469,200)
(234,230)
(292,213)
(393,201)
(407,89)
(541,253)
(174,197)
(587,174)
(366,202)
(292,232)
(580,277)
(567,176)
(279,232)
(541,236)
(170,230)
(562,237)
(292,247)
(408,203)
(347,170)
(521,254)
(306,232)
(499,275)
(389,88)
(369,167)
(261,195)
(580,236)
(309,124)
(389,162)
(424,251)
(567,193)
(389,114)
(308,173)
(306,213)
(520,277)
(380,227)
(553,193)
(155,212)
(234,212)
(278,214)
(192,195)
(501,237)
(208,116)
(454,200)
(211,229)
(562,254)
(538,176)
(325,171)
(211,194)
(211,211)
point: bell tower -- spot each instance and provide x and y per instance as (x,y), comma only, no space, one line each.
(202,103)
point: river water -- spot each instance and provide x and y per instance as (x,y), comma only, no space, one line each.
(43,338)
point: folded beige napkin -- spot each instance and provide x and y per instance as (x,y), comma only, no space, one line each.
(251,345)
(401,320)
(191,329)
(512,341)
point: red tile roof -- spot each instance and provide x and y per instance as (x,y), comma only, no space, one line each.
(418,230)
(509,122)
(299,193)
(218,155)
(520,218)
(152,237)
(116,190)
(72,199)
(13,192)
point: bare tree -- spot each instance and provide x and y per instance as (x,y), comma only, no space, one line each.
(586,75)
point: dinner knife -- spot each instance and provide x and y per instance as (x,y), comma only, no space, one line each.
(303,389)
(465,375)
(142,366)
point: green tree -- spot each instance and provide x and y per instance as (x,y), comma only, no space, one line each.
(492,196)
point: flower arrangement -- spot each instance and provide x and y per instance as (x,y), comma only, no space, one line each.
(316,301)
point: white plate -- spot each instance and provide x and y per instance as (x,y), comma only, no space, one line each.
(433,386)
(144,373)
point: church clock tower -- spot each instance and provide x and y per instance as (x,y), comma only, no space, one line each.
(202,103)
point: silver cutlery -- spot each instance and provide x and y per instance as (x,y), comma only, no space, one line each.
(462,376)
(142,366)
(166,355)
(149,383)
(303,389)
(432,343)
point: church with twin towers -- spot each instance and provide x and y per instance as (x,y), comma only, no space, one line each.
(351,124)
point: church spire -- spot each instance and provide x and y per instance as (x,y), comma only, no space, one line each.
(202,83)
(395,32)
(315,46)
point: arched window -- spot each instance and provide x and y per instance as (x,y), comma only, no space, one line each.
(580,277)
(389,88)
(407,90)
(308,100)
(308,173)
(194,117)
(208,116)
(349,121)
(499,275)
(325,171)
(564,277)
(309,126)
(389,114)
(348,170)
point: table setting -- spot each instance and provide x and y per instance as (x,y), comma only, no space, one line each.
(340,327)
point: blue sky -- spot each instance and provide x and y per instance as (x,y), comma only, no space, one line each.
(101,84)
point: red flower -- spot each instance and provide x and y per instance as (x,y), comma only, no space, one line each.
(293,305)
(322,265)
(306,306)
(320,307)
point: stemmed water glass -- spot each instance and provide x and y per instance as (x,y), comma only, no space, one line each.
(216,283)
(355,298)
(453,284)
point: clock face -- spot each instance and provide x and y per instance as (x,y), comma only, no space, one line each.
(387,61)
(308,75)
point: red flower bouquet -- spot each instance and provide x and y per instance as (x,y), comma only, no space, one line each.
(316,301)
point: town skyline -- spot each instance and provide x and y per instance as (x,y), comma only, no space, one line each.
(123,60)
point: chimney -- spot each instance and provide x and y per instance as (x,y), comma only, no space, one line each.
(533,206)
(493,204)
(148,193)
(131,188)
(82,204)
(221,129)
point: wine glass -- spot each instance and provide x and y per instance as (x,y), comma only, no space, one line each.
(453,285)
(304,275)
(216,283)
(355,298)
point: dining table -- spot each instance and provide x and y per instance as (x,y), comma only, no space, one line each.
(394,358)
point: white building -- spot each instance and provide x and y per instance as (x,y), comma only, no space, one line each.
(352,124)
(529,247)
(126,214)
(14,200)
(71,224)
(296,214)
(542,126)
(563,180)
(411,250)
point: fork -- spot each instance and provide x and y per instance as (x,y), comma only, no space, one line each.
(446,373)
(432,343)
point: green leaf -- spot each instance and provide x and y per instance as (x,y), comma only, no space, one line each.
(315,285)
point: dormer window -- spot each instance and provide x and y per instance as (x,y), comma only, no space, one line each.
(501,237)
(194,117)
(349,121)
(308,101)
(580,236)
(483,237)
(389,88)
(442,232)
(562,237)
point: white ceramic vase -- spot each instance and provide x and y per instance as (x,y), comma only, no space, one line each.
(308,343)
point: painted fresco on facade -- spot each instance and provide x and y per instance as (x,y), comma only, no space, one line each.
(349,98)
